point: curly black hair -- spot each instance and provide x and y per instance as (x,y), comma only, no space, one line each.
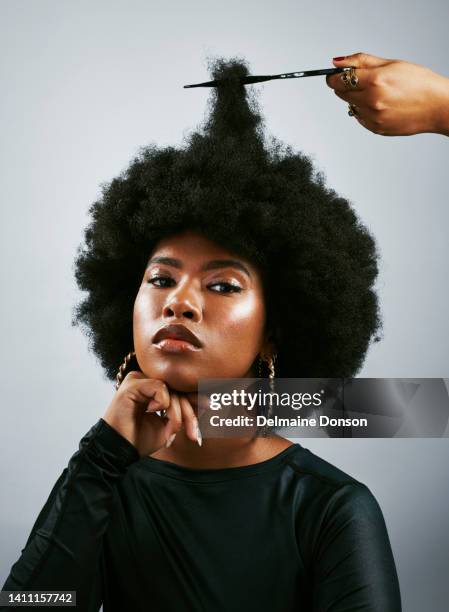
(258,198)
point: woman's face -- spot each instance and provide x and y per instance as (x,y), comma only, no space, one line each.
(192,284)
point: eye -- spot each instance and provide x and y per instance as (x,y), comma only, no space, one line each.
(162,281)
(224,287)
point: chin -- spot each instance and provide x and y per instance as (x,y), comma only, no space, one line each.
(179,379)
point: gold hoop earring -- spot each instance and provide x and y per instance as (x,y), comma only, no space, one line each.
(270,364)
(122,368)
(272,373)
(260,366)
(271,377)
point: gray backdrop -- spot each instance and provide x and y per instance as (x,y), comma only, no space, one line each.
(83,86)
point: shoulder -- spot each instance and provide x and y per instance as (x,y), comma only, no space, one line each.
(326,490)
(308,466)
(332,508)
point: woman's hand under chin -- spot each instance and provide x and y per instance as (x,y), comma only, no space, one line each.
(133,413)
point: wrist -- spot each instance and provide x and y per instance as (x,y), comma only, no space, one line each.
(440,120)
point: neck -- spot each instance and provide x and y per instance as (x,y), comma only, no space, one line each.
(221,452)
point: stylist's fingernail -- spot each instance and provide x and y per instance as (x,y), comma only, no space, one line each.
(199,437)
(338,59)
(170,440)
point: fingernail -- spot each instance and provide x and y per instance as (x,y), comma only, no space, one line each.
(338,59)
(199,437)
(170,440)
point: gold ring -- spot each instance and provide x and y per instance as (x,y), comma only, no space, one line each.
(353,79)
(350,79)
(345,78)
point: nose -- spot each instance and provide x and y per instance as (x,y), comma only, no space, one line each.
(183,303)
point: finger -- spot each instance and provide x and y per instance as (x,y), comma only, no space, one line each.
(189,418)
(161,396)
(174,416)
(366,123)
(134,374)
(373,124)
(358,109)
(352,97)
(372,121)
(149,391)
(364,76)
(360,60)
(373,117)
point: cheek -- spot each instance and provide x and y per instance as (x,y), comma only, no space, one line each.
(144,314)
(243,321)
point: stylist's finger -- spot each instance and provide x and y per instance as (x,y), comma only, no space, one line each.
(362,113)
(364,76)
(374,122)
(363,100)
(365,65)
(353,97)
(372,126)
(360,60)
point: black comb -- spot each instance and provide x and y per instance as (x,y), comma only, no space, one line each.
(250,79)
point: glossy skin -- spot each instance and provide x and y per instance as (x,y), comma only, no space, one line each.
(222,305)
(395,97)
(194,282)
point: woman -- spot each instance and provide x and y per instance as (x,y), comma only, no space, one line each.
(215,260)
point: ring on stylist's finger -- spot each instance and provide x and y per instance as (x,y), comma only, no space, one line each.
(352,110)
(350,79)
(353,79)
(345,78)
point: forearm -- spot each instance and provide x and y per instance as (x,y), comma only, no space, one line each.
(63,550)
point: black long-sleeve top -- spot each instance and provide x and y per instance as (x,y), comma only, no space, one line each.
(292,533)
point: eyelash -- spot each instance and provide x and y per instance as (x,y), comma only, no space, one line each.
(232,288)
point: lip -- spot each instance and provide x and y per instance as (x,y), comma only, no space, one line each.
(176,338)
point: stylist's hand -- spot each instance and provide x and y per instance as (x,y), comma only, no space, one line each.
(394,97)
(132,413)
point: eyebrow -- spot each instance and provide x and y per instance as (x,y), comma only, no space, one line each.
(213,264)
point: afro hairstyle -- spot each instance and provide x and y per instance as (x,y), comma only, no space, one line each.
(261,200)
